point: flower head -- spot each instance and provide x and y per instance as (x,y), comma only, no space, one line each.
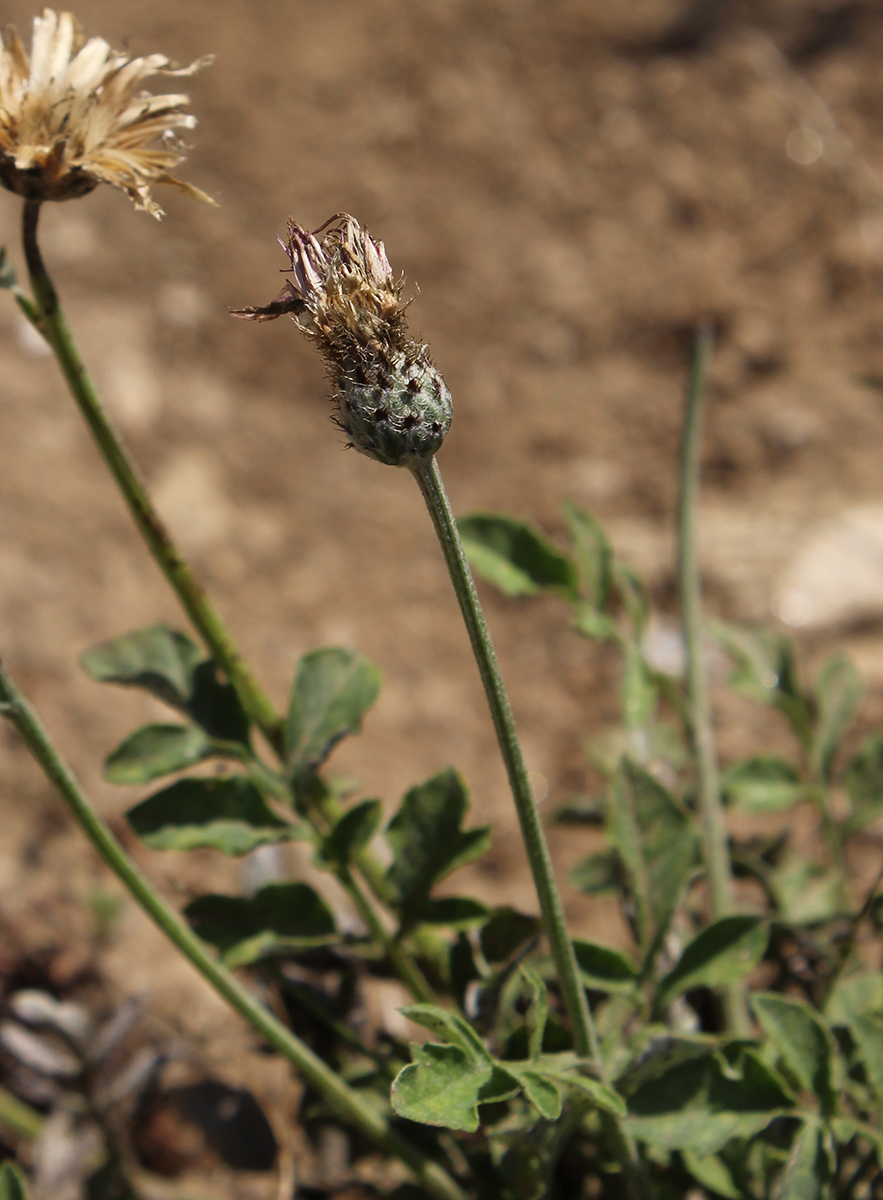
(343,295)
(74,115)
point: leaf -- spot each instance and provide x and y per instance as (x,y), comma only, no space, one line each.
(599,1094)
(541,1090)
(863,782)
(215,705)
(442,1086)
(159,659)
(657,841)
(352,832)
(538,1013)
(427,840)
(595,625)
(639,693)
(505,932)
(807,1173)
(594,557)
(867,1030)
(280,917)
(723,952)
(838,691)
(806,892)
(156,750)
(854,995)
(766,671)
(457,912)
(762,784)
(603,968)
(597,874)
(634,596)
(447,1025)
(713,1173)
(227,814)
(802,1042)
(12,1183)
(700,1106)
(515,557)
(333,689)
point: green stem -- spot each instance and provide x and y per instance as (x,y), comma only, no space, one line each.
(19,1118)
(717,857)
(585,1038)
(53,325)
(347,1102)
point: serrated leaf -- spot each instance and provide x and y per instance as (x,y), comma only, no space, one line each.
(448,1025)
(713,1173)
(722,953)
(594,557)
(159,659)
(333,689)
(515,557)
(352,832)
(802,1042)
(807,1173)
(12,1183)
(427,840)
(838,691)
(456,912)
(442,1086)
(229,815)
(604,968)
(699,1106)
(863,782)
(762,784)
(657,842)
(280,917)
(157,750)
(506,931)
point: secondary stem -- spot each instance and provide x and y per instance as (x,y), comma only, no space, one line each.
(717,857)
(585,1038)
(348,1103)
(52,323)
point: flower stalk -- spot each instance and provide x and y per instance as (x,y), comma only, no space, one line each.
(347,1102)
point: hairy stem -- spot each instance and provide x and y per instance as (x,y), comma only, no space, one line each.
(717,857)
(585,1038)
(52,323)
(348,1103)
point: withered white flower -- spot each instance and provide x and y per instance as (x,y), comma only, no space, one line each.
(74,115)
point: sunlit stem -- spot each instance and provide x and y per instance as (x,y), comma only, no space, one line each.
(347,1103)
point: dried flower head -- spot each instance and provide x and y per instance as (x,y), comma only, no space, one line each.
(73,116)
(390,399)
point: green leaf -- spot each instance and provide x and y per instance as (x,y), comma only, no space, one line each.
(541,1090)
(854,995)
(280,918)
(444,1086)
(594,557)
(538,1013)
(427,840)
(333,689)
(215,705)
(713,1173)
(766,671)
(639,694)
(634,596)
(598,874)
(722,953)
(515,557)
(863,782)
(352,832)
(603,968)
(806,892)
(456,912)
(226,814)
(657,842)
(158,659)
(838,691)
(807,1173)
(702,1104)
(447,1025)
(596,626)
(801,1041)
(12,1183)
(156,750)
(867,1029)
(506,932)
(599,1094)
(762,784)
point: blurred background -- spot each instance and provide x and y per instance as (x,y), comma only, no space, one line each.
(570,187)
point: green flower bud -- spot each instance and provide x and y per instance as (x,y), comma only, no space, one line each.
(391,401)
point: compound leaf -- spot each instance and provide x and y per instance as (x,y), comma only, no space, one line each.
(442,1086)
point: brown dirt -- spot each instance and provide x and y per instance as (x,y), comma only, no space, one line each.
(573,186)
